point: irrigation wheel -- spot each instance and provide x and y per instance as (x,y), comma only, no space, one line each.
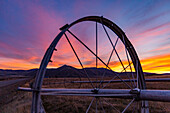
(99,43)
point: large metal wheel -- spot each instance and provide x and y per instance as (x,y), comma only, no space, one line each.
(107,84)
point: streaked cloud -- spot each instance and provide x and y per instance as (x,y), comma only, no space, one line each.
(28,27)
(156,64)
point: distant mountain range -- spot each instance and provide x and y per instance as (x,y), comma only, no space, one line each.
(69,71)
(15,72)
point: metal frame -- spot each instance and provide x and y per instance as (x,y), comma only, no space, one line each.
(36,101)
(151,95)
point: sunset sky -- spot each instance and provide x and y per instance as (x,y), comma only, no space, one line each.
(27,27)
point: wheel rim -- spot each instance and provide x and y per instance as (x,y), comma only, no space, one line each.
(130,54)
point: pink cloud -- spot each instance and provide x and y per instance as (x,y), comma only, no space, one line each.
(160,49)
(151,33)
(164,26)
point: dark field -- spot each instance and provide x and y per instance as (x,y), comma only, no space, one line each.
(20,102)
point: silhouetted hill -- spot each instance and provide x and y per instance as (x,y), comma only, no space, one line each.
(69,71)
(63,71)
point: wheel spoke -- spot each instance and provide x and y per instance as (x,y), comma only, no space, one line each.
(90,105)
(128,60)
(145,107)
(115,50)
(134,106)
(108,63)
(96,54)
(126,67)
(128,105)
(138,105)
(109,82)
(99,59)
(137,76)
(111,105)
(79,60)
(101,106)
(96,105)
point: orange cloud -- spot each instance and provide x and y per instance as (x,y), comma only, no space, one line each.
(157,64)
(17,64)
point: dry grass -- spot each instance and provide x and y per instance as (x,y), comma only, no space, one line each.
(13,101)
(65,104)
(20,102)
